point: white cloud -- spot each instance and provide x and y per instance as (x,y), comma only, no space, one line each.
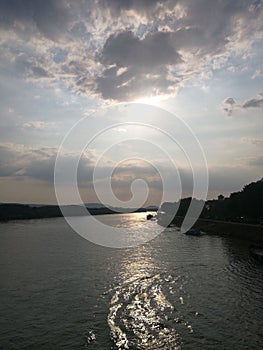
(38,125)
(257,74)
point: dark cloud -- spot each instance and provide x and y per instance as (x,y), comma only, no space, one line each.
(126,50)
(40,72)
(230,105)
(230,101)
(202,24)
(211,23)
(254,102)
(50,17)
(144,62)
(8,167)
(203,29)
(17,161)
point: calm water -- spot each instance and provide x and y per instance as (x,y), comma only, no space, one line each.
(59,291)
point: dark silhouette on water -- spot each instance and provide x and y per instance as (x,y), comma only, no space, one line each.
(245,206)
(239,215)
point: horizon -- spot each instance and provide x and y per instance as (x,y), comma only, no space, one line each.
(143,207)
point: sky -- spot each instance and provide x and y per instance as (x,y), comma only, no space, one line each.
(99,70)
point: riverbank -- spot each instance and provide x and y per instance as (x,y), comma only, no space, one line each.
(252,233)
(26,212)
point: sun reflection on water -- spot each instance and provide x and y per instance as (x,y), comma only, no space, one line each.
(141,315)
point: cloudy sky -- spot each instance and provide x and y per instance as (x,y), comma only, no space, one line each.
(64,60)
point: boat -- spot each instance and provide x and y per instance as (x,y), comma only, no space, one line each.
(256,252)
(150,217)
(193,232)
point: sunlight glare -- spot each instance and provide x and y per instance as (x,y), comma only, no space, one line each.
(151,100)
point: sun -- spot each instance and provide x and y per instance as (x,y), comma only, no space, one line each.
(151,100)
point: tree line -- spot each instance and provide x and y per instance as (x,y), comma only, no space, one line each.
(243,206)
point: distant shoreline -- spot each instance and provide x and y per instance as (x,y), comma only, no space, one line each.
(253,233)
(9,212)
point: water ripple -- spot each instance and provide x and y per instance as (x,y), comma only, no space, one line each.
(142,317)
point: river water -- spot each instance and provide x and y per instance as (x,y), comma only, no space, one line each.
(60,291)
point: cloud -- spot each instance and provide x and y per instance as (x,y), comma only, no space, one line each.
(49,17)
(127,50)
(254,102)
(258,162)
(230,101)
(125,174)
(18,161)
(38,163)
(118,6)
(39,72)
(160,44)
(145,63)
(38,125)
(229,105)
(257,74)
(253,141)
(174,51)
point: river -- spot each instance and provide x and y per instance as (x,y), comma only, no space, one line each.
(60,291)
